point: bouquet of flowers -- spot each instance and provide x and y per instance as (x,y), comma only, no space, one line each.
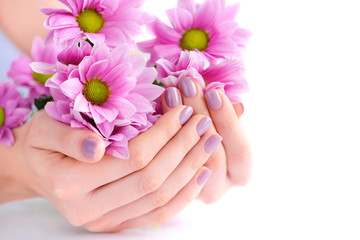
(85,73)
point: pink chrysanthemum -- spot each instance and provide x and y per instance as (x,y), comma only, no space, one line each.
(111,93)
(227,75)
(115,21)
(22,74)
(14,111)
(208,28)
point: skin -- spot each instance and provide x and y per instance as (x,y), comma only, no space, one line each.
(46,160)
(43,162)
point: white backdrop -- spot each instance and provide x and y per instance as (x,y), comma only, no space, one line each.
(303,119)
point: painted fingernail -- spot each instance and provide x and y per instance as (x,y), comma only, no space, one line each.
(88,147)
(203,126)
(204,176)
(185,115)
(188,87)
(212,143)
(214,100)
(172,97)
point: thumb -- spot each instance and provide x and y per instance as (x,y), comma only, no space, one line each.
(49,134)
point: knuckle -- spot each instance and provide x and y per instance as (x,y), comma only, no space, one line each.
(196,164)
(138,160)
(186,148)
(149,184)
(161,198)
(168,131)
(64,189)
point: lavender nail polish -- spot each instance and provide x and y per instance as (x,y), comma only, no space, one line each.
(203,126)
(213,99)
(185,115)
(204,176)
(212,143)
(188,87)
(172,97)
(88,147)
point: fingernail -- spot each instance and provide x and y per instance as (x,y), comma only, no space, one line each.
(204,176)
(214,100)
(88,147)
(188,87)
(212,143)
(185,115)
(172,97)
(203,126)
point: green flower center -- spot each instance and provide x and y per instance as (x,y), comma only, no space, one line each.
(96,91)
(90,21)
(194,39)
(2,117)
(41,78)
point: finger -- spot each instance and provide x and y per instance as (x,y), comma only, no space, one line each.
(193,95)
(175,182)
(239,109)
(142,149)
(170,99)
(235,142)
(153,176)
(49,134)
(171,209)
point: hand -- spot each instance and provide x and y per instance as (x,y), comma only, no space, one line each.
(231,161)
(163,174)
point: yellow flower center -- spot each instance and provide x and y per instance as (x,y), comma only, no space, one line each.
(41,78)
(90,21)
(194,39)
(2,117)
(96,91)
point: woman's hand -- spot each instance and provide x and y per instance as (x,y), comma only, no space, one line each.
(68,167)
(231,162)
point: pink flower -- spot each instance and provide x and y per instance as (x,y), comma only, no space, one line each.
(208,28)
(227,75)
(115,21)
(22,74)
(14,111)
(110,92)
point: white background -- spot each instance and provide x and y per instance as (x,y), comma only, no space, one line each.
(303,119)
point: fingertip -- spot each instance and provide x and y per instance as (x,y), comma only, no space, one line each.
(239,109)
(170,99)
(92,148)
(204,176)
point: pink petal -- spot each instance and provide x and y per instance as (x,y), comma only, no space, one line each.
(188,5)
(81,104)
(205,15)
(141,103)
(72,88)
(164,33)
(51,11)
(6,137)
(126,108)
(97,69)
(181,19)
(43,68)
